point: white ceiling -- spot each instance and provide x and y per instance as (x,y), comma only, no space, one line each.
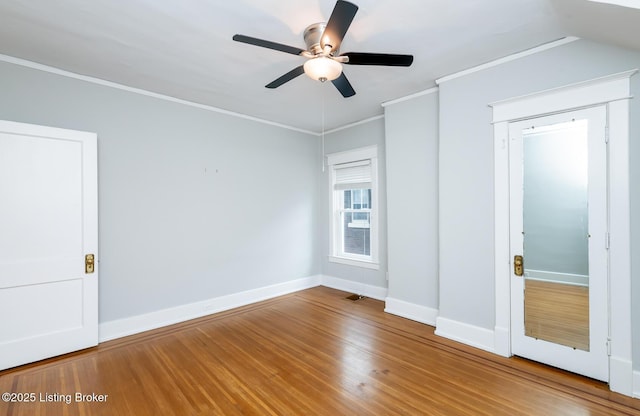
(184,49)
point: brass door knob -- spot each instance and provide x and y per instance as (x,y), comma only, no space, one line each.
(518,265)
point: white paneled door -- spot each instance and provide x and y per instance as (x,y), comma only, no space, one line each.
(48,242)
(559,240)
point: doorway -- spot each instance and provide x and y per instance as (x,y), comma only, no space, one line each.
(614,93)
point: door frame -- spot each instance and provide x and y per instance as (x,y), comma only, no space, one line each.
(614,92)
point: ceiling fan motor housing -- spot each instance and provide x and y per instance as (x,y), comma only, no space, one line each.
(313,36)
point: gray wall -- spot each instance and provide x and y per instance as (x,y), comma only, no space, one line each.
(193,204)
(466,168)
(412,199)
(361,135)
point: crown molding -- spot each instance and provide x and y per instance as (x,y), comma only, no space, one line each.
(509,58)
(110,84)
(411,96)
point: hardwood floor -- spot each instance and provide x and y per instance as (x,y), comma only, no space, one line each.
(309,353)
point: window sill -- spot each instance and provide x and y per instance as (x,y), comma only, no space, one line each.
(354,262)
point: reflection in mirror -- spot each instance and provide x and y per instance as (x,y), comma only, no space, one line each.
(555,202)
(556,234)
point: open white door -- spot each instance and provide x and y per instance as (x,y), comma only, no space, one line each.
(48,242)
(559,241)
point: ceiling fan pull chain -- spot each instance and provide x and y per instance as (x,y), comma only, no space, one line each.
(323,88)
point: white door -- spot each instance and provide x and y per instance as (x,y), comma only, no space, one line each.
(559,241)
(48,232)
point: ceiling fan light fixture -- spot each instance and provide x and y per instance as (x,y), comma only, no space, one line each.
(324,60)
(322,69)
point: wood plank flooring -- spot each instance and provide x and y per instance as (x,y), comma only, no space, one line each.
(309,353)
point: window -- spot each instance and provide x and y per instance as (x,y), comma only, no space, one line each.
(353,191)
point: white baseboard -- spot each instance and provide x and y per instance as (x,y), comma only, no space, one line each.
(502,341)
(636,384)
(474,336)
(418,313)
(621,377)
(370,291)
(145,322)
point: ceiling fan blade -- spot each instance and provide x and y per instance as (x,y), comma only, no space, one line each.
(344,86)
(286,77)
(338,24)
(384,59)
(268,44)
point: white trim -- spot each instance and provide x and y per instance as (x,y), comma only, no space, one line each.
(98,81)
(620,375)
(415,312)
(617,88)
(145,322)
(513,57)
(633,4)
(410,96)
(133,325)
(348,156)
(45,131)
(353,262)
(472,335)
(636,384)
(569,97)
(502,341)
(374,292)
(620,246)
(356,123)
(502,253)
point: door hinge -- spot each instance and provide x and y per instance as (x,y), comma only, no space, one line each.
(607,240)
(609,347)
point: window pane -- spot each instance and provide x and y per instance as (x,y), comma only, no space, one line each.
(361,216)
(357,199)
(356,233)
(347,199)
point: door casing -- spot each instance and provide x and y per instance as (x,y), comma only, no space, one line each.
(614,92)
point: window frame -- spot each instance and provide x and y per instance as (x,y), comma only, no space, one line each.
(336,200)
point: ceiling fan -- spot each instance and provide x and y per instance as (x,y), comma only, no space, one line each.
(324,61)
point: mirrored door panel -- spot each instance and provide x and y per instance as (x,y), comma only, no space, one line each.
(555,233)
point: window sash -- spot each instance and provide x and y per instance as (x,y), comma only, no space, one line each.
(355,235)
(347,231)
(366,210)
